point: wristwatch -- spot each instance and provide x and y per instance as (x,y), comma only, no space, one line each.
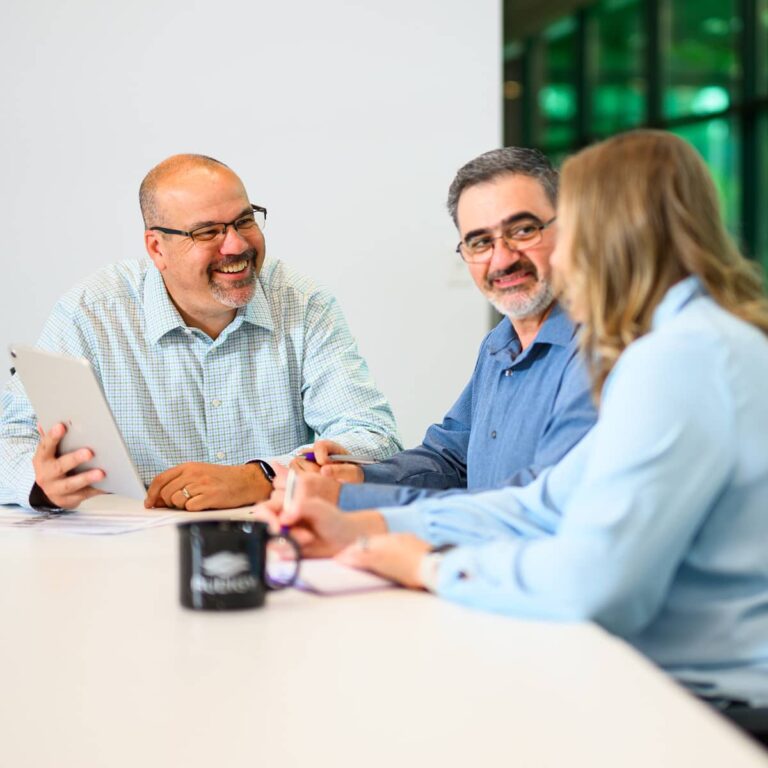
(429,570)
(269,473)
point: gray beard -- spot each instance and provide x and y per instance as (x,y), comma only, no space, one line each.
(223,294)
(517,305)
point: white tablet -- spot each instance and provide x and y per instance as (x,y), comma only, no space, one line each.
(65,389)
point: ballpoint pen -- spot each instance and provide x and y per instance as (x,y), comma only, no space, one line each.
(345,458)
(290,487)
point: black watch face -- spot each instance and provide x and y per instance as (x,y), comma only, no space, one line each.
(267,470)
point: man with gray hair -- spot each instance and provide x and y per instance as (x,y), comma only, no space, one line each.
(212,357)
(527,403)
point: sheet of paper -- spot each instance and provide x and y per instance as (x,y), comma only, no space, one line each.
(107,514)
(81,522)
(329,577)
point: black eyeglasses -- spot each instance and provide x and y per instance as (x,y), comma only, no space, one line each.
(257,217)
(518,235)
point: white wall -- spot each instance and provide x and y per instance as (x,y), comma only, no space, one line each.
(346,119)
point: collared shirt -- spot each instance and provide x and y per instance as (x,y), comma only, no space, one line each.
(522,410)
(656,525)
(284,370)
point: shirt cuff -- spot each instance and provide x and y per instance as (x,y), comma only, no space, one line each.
(367,496)
(405,520)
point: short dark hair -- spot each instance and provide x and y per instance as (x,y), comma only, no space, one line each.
(501,162)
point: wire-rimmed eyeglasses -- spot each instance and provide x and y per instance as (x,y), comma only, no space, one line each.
(256,217)
(517,235)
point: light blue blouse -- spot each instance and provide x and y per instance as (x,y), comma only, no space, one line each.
(656,524)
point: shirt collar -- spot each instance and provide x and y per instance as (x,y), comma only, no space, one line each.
(162,316)
(676,298)
(256,311)
(558,329)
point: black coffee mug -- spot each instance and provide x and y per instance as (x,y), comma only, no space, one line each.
(224,563)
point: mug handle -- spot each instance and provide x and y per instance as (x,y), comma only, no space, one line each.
(282,584)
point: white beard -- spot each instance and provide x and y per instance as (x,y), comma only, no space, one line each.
(517,305)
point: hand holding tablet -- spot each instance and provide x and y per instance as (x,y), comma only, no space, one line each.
(81,451)
(55,474)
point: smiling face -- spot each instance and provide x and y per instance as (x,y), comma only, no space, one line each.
(205,280)
(516,282)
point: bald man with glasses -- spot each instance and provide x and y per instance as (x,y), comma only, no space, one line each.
(212,357)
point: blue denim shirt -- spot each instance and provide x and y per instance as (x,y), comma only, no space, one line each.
(522,411)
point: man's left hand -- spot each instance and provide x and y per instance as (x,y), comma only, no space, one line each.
(395,556)
(208,486)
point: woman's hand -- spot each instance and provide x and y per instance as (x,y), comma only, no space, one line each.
(395,556)
(322,530)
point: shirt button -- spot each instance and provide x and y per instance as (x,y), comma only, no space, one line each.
(493,435)
(216,402)
(220,455)
(508,372)
(188,331)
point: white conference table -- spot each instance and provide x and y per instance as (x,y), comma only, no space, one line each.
(101,666)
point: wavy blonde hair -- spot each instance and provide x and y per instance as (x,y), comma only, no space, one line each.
(643,214)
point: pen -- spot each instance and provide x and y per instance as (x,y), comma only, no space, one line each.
(290,487)
(346,458)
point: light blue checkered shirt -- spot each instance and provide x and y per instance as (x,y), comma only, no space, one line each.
(283,371)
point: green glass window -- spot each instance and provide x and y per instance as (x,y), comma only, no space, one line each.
(762,46)
(699,46)
(557,158)
(761,251)
(618,100)
(695,67)
(513,94)
(718,142)
(557,95)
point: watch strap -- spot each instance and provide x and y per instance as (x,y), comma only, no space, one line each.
(269,473)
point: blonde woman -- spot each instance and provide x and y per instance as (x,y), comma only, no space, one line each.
(656,525)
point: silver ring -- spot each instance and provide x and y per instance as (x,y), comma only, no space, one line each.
(187,495)
(364,543)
